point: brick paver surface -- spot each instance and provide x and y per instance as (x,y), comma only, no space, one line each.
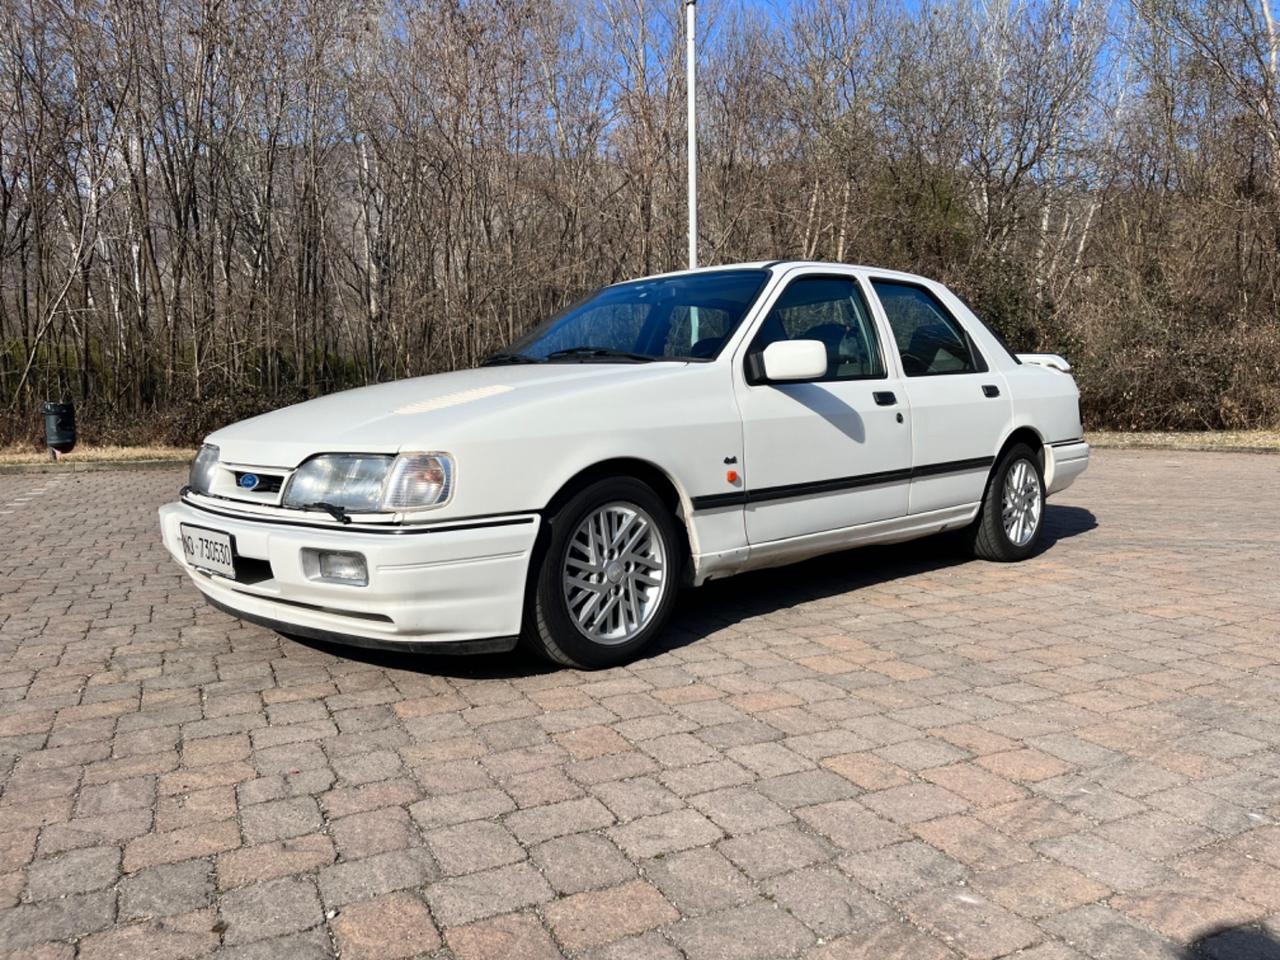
(887,753)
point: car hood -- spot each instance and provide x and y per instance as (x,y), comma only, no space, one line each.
(406,414)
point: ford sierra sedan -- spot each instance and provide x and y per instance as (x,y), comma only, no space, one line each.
(657,434)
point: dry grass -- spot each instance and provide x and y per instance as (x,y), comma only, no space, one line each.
(1190,440)
(1203,440)
(90,454)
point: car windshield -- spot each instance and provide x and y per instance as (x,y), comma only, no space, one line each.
(687,317)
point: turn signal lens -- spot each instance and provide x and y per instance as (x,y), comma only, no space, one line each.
(419,480)
(203,468)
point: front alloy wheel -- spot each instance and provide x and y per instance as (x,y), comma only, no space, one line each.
(614,573)
(607,575)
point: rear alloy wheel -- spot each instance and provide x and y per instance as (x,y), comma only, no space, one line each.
(1010,522)
(608,576)
(1021,503)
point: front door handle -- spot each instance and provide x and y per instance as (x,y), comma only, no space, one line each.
(885,398)
(990,390)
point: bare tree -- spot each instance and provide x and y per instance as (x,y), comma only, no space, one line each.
(209,207)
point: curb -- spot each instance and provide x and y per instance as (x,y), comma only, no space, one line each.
(90,466)
(1169,448)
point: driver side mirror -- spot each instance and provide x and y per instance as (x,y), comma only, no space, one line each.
(794,360)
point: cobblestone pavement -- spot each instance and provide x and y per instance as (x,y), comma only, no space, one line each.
(890,753)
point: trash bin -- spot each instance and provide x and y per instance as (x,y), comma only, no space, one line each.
(59,427)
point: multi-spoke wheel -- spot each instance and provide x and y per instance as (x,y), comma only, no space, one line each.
(1009,523)
(608,575)
(1021,504)
(613,574)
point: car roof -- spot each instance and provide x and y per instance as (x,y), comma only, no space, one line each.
(781,265)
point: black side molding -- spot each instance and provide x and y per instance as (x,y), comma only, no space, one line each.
(954,466)
(713,501)
(815,488)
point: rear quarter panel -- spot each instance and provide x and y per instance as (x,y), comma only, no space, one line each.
(1046,400)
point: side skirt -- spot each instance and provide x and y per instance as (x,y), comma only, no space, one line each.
(776,553)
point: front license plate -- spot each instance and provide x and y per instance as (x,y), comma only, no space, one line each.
(208,549)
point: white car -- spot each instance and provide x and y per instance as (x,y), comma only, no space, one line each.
(658,433)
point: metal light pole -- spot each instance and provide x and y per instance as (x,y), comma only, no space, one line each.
(692,139)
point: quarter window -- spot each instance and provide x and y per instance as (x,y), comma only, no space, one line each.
(929,339)
(831,310)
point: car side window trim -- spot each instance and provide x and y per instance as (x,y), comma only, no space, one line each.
(979,360)
(872,327)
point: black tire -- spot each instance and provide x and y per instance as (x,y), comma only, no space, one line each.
(987,537)
(549,627)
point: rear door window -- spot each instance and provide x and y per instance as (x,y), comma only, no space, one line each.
(930,341)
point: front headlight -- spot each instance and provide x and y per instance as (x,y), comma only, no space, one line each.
(202,469)
(351,481)
(363,483)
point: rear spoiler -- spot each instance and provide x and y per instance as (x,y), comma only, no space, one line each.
(1050,360)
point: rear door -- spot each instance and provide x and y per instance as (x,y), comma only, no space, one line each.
(833,452)
(960,409)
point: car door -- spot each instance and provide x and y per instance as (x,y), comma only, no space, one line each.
(959,408)
(830,453)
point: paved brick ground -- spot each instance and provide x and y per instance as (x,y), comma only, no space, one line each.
(883,754)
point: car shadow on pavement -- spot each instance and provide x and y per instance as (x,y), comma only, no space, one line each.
(722,603)
(480,666)
(1235,943)
(725,602)
(1062,523)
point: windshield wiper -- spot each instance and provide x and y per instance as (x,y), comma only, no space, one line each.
(598,353)
(500,358)
(338,513)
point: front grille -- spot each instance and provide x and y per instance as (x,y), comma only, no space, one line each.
(267,483)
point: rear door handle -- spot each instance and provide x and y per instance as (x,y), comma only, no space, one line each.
(990,390)
(885,398)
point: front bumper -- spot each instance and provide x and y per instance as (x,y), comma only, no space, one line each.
(433,587)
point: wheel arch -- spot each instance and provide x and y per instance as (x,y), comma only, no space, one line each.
(1024,433)
(647,472)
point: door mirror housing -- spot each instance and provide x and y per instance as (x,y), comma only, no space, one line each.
(794,360)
